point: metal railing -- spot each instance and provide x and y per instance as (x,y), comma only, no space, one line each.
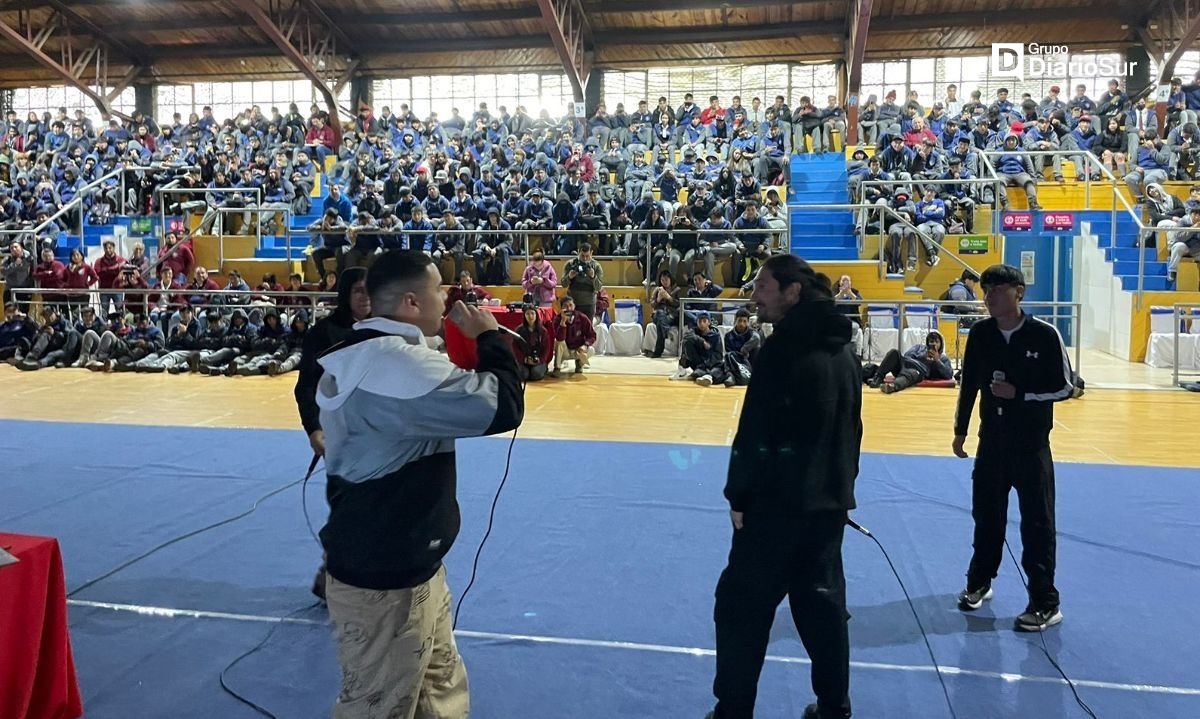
(1053,312)
(1183,313)
(887,210)
(75,203)
(525,235)
(75,299)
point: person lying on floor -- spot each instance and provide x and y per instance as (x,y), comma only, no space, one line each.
(922,362)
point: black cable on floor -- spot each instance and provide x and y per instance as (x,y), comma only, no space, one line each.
(189,535)
(911,606)
(257,647)
(1041,635)
(491,522)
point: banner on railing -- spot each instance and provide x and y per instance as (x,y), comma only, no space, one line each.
(1018,221)
(973,245)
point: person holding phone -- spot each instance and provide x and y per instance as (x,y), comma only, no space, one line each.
(1019,367)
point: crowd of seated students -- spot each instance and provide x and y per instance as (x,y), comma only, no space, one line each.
(165,325)
(481,190)
(1115,131)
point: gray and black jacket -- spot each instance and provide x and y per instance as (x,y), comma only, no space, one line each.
(391,409)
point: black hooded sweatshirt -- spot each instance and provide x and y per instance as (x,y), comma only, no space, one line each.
(320,337)
(797,444)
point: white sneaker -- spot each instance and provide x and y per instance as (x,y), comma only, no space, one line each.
(681,373)
(704,380)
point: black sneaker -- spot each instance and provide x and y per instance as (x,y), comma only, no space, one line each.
(1038,620)
(812,711)
(972,599)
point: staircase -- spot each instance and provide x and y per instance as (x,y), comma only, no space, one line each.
(1121,251)
(816,234)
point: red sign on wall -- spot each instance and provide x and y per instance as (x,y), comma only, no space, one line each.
(1058,221)
(1017,221)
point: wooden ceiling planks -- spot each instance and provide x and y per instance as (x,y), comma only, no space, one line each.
(216,30)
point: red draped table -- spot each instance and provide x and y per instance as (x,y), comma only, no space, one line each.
(37,673)
(461,350)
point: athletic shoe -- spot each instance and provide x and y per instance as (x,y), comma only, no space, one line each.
(273,367)
(176,369)
(681,373)
(106,365)
(812,711)
(704,380)
(193,363)
(1038,620)
(887,388)
(911,266)
(28,365)
(154,369)
(230,369)
(934,260)
(972,599)
(729,382)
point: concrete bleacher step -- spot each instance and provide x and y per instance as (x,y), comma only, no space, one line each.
(1129,254)
(1152,269)
(1158,283)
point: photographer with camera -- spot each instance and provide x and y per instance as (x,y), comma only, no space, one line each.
(535,348)
(467,292)
(573,334)
(584,278)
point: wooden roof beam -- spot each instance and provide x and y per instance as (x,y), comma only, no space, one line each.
(68,76)
(639,6)
(298,61)
(857,25)
(569,31)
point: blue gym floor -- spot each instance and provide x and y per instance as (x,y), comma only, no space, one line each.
(595,591)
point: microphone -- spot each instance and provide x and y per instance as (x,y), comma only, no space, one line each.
(857,527)
(458,315)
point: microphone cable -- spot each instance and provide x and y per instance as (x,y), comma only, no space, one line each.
(175,540)
(490,524)
(920,625)
(258,647)
(1042,635)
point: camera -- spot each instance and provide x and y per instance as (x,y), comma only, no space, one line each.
(471,298)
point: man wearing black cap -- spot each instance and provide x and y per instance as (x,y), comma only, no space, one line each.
(789,487)
(1019,365)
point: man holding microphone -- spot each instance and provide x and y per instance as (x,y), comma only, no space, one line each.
(1020,367)
(391,409)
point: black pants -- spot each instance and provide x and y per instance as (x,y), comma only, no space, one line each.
(692,354)
(904,377)
(799,557)
(1030,470)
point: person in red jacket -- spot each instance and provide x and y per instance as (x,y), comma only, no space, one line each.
(320,137)
(78,275)
(573,334)
(182,260)
(49,276)
(108,270)
(535,348)
(467,291)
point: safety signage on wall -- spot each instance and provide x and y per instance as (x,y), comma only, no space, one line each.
(973,245)
(1017,221)
(1058,221)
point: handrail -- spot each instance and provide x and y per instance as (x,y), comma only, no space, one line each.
(1180,312)
(886,209)
(77,201)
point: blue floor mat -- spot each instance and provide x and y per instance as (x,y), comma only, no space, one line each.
(596,541)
